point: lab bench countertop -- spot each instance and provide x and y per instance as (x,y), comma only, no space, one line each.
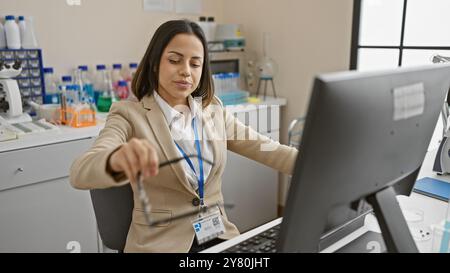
(66,133)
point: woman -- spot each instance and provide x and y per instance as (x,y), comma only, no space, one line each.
(176,115)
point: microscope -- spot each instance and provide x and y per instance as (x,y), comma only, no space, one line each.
(442,160)
(11,109)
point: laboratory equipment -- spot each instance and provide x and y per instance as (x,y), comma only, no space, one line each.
(128,73)
(122,90)
(108,96)
(2,36)
(133,69)
(31,79)
(29,40)
(442,160)
(6,132)
(10,89)
(78,114)
(86,83)
(116,75)
(51,86)
(99,81)
(230,35)
(267,68)
(229,62)
(49,112)
(12,33)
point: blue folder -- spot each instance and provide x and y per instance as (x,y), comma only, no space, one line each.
(433,187)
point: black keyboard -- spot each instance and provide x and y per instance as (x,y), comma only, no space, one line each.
(264,242)
(261,243)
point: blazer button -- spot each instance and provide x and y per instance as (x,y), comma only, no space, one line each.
(196,202)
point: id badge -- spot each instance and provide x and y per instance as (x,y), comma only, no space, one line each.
(208,227)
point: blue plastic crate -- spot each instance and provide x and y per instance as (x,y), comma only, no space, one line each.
(31,80)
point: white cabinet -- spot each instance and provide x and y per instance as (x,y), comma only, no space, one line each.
(39,210)
(250,186)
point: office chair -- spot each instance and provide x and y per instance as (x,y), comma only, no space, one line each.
(113,209)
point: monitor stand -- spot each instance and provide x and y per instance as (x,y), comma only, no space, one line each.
(392,223)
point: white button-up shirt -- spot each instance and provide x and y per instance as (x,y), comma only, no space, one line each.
(179,120)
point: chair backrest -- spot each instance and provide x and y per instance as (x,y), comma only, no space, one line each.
(113,209)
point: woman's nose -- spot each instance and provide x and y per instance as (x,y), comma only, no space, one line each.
(185,70)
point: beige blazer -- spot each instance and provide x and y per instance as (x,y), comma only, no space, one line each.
(170,192)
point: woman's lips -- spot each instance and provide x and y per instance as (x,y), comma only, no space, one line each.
(183,84)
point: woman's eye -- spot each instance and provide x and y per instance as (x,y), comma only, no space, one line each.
(195,65)
(173,61)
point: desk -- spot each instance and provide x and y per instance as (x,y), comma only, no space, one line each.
(41,212)
(433,212)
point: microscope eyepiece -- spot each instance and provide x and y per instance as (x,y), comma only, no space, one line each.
(17,64)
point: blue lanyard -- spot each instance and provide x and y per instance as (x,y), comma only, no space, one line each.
(201,179)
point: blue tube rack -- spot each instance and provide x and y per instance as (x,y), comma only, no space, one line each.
(31,80)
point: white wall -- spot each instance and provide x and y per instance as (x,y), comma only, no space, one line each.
(307,37)
(98,31)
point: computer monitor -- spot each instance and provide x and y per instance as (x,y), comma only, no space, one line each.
(365,137)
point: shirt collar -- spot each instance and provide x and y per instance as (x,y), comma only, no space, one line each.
(171,114)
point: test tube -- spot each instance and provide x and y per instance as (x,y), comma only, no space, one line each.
(446,232)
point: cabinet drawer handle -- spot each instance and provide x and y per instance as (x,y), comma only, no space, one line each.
(20,170)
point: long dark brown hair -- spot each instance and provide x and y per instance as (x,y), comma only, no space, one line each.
(145,80)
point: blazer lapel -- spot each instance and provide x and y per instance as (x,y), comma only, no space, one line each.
(214,139)
(161,130)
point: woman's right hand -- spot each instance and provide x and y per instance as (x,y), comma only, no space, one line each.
(137,155)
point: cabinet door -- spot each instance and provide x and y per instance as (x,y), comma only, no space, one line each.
(47,217)
(253,190)
(39,209)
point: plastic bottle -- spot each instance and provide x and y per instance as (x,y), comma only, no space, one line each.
(107,98)
(2,36)
(88,86)
(51,86)
(122,90)
(66,81)
(22,27)
(78,84)
(125,73)
(92,105)
(116,75)
(128,73)
(204,26)
(99,82)
(68,86)
(211,29)
(12,33)
(133,69)
(29,37)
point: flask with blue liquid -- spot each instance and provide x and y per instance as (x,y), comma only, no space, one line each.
(87,85)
